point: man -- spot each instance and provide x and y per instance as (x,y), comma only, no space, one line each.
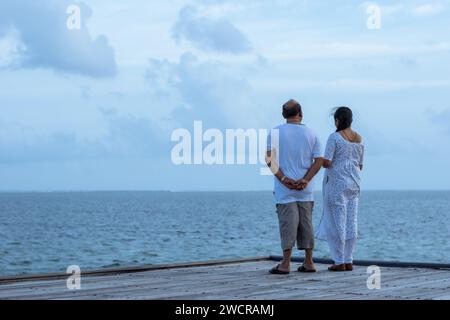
(294,160)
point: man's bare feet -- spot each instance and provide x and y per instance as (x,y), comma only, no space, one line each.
(302,268)
(285,266)
(276,270)
(309,265)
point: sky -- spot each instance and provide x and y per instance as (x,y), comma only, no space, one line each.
(94,108)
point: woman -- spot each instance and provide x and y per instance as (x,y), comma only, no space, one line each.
(343,161)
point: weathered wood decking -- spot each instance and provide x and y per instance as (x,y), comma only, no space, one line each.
(237,279)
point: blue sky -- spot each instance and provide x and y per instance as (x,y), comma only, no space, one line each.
(94,108)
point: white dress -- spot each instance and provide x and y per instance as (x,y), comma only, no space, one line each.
(341,191)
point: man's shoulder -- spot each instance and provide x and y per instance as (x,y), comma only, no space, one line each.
(299,127)
(280,126)
(307,131)
(311,132)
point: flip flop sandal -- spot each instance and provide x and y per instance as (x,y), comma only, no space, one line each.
(303,269)
(275,270)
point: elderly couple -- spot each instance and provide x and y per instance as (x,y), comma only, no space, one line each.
(295,158)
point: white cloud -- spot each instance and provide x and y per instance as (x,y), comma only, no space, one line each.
(10,48)
(427,9)
(335,50)
(415,9)
(46,42)
(126,136)
(209,34)
(200,90)
(361,85)
(441,118)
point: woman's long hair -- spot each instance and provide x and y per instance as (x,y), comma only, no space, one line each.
(344,116)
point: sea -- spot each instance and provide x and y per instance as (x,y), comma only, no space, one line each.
(43,232)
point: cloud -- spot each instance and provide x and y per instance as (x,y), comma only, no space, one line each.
(208,34)
(85,92)
(347,49)
(45,41)
(428,9)
(190,89)
(441,119)
(127,136)
(408,62)
(414,9)
(133,136)
(10,48)
(208,91)
(56,146)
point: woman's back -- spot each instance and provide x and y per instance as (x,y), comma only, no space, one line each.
(348,151)
(346,158)
(341,190)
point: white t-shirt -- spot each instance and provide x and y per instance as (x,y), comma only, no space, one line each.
(298,146)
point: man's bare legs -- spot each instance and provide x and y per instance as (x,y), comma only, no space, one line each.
(309,263)
(285,264)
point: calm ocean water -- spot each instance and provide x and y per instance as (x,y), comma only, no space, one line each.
(46,232)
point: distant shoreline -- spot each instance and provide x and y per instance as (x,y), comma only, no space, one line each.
(203,191)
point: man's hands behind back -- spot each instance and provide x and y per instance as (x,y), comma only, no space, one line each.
(295,184)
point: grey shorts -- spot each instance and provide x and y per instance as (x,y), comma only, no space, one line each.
(295,221)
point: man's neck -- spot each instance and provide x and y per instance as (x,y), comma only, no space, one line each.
(294,121)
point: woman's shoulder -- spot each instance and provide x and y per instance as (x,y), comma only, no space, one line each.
(358,138)
(337,136)
(332,136)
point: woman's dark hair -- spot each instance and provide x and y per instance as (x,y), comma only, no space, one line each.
(344,116)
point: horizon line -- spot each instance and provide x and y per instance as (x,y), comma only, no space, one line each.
(198,190)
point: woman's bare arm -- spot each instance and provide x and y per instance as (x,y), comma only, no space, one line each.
(315,168)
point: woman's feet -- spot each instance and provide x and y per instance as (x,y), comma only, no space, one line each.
(337,268)
(341,267)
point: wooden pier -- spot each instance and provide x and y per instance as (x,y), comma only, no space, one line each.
(238,280)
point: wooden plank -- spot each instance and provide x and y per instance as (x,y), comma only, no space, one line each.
(191,280)
(154,277)
(327,285)
(189,293)
(445,296)
(147,277)
(105,271)
(145,293)
(245,280)
(393,264)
